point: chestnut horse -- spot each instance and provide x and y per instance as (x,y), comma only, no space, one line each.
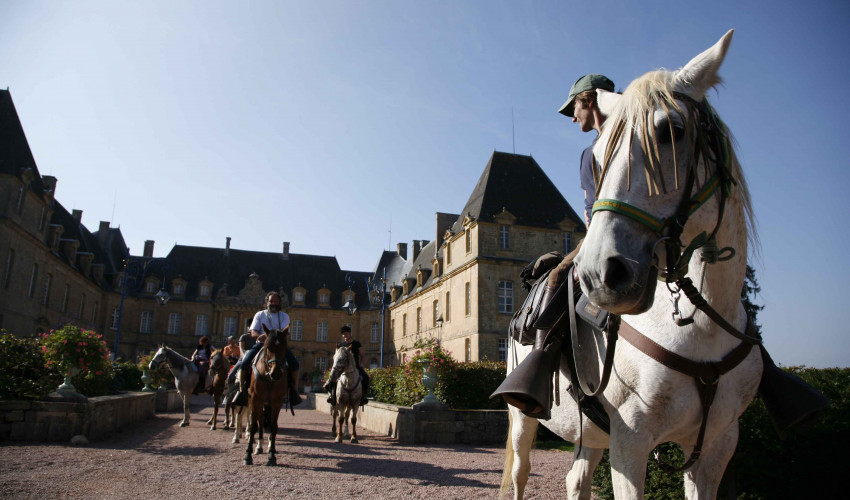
(219,367)
(269,388)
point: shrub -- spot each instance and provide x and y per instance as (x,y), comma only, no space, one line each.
(472,384)
(126,376)
(22,371)
(71,347)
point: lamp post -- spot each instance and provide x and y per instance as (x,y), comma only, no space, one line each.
(135,271)
(377,296)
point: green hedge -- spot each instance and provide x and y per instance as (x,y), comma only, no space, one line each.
(22,371)
(809,463)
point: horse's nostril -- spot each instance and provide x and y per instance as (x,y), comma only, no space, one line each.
(615,274)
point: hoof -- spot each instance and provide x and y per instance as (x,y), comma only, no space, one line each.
(271,463)
(184,424)
(212,428)
(248,461)
(354,440)
(337,439)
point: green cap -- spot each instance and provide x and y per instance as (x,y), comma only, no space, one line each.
(583,84)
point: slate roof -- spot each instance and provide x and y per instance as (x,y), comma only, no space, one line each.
(15,152)
(517,183)
(313,272)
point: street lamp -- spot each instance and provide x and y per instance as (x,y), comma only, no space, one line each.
(135,271)
(377,296)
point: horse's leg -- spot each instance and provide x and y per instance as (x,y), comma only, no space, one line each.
(214,418)
(340,420)
(580,477)
(521,433)
(273,435)
(334,413)
(354,424)
(257,420)
(186,398)
(237,430)
(252,428)
(703,479)
(629,452)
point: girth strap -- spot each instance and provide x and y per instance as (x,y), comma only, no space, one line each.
(706,374)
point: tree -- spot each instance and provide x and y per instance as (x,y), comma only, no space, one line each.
(749,291)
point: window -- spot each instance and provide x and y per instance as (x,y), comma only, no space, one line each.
(82,305)
(43,219)
(448,254)
(205,290)
(404,324)
(146,325)
(113,321)
(45,294)
(448,306)
(468,300)
(321,363)
(373,364)
(324,299)
(33,278)
(503,349)
(504,237)
(19,208)
(299,296)
(376,333)
(392,327)
(418,319)
(568,243)
(468,240)
(201,323)
(436,312)
(467,350)
(174,320)
(150,287)
(322,331)
(297,329)
(94,312)
(179,288)
(67,296)
(506,297)
(7,274)
(229,326)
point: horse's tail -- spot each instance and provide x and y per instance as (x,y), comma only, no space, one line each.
(507,475)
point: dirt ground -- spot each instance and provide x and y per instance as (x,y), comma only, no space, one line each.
(158,459)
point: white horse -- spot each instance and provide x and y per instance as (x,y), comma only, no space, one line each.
(349,389)
(653,156)
(185,375)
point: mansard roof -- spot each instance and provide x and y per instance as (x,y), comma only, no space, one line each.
(312,272)
(517,184)
(15,153)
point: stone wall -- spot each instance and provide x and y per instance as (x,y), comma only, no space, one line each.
(476,427)
(95,419)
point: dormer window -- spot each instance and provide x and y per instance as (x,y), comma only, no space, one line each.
(299,294)
(205,290)
(324,297)
(468,241)
(151,286)
(406,287)
(178,286)
(418,278)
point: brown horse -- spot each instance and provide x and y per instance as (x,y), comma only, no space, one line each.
(219,366)
(269,388)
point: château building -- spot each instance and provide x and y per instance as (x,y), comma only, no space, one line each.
(461,287)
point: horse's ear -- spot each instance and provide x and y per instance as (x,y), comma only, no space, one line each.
(606,101)
(701,73)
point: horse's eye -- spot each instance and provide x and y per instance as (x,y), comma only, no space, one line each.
(662,133)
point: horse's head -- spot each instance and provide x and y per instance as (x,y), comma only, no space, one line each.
(275,358)
(158,358)
(342,357)
(662,153)
(218,361)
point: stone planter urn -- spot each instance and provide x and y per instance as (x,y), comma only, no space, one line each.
(67,386)
(429,380)
(146,379)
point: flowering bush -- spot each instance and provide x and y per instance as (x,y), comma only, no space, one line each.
(22,372)
(72,347)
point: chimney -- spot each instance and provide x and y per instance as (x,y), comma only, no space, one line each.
(402,250)
(148,248)
(77,215)
(103,233)
(227,247)
(49,183)
(416,248)
(285,250)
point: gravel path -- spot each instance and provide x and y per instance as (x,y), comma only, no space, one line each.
(156,458)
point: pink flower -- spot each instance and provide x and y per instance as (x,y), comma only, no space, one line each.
(98,372)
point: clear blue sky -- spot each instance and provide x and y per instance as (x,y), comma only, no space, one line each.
(327,124)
